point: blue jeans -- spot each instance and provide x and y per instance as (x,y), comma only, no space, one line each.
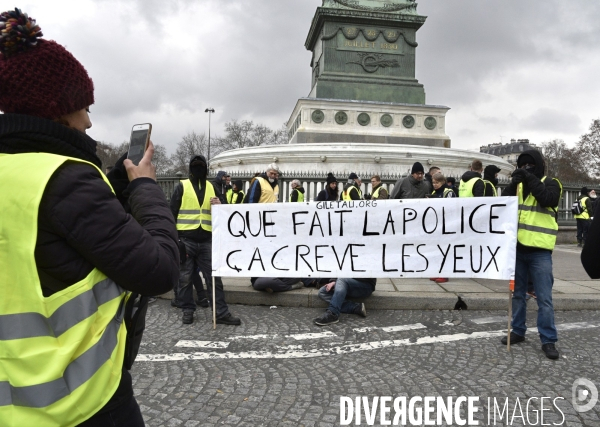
(345,288)
(538,267)
(199,257)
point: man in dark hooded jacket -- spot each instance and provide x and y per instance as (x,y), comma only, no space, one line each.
(490,179)
(221,187)
(471,184)
(193,220)
(538,202)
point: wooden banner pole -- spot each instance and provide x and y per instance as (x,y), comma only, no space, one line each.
(214,304)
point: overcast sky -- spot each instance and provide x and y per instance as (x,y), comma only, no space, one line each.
(506,68)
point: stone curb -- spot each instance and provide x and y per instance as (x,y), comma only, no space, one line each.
(381,300)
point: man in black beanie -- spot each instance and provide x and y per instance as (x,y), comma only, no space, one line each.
(538,204)
(413,186)
(330,192)
(352,189)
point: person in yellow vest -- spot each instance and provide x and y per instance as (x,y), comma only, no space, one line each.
(297,193)
(377,190)
(583,219)
(191,207)
(235,194)
(264,188)
(440,188)
(352,189)
(471,184)
(490,180)
(69,253)
(539,196)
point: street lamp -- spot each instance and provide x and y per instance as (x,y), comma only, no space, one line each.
(209,111)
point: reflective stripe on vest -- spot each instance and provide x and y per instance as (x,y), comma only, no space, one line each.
(191,215)
(300,196)
(465,189)
(537,225)
(487,184)
(62,356)
(585,214)
(268,194)
(346,193)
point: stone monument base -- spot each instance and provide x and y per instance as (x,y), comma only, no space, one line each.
(317,120)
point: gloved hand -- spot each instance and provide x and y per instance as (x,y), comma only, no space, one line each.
(518,176)
(182,252)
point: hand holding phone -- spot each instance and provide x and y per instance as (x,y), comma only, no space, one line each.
(145,169)
(138,143)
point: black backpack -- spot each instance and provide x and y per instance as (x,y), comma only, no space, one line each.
(577,208)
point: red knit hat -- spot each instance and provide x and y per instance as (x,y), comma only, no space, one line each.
(38,77)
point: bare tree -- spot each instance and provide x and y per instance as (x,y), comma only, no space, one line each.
(161,159)
(563,162)
(191,145)
(109,153)
(588,148)
(279,136)
(247,134)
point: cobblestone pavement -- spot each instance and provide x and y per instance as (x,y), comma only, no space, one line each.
(278,369)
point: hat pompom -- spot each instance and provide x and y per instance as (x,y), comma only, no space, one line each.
(18,32)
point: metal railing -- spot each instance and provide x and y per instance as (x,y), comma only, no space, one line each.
(314,182)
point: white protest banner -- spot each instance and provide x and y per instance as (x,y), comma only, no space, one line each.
(460,237)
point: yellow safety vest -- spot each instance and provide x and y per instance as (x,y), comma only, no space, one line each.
(585,214)
(300,195)
(268,194)
(537,225)
(229,195)
(487,183)
(375,194)
(446,191)
(191,215)
(235,196)
(346,193)
(465,189)
(61,356)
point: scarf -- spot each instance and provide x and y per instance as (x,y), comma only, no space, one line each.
(28,134)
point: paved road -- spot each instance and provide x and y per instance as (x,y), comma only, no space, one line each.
(280,369)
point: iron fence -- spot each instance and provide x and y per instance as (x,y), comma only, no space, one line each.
(314,182)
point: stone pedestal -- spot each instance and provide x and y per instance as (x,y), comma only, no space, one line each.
(331,120)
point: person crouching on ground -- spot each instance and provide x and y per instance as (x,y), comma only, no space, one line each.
(336,293)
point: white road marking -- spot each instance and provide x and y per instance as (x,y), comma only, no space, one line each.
(572,251)
(312,336)
(253,337)
(491,319)
(201,344)
(295,351)
(392,328)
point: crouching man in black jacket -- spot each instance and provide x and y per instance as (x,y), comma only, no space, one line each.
(191,206)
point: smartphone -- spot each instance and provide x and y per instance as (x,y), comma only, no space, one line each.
(138,143)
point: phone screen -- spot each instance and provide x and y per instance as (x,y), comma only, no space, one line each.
(137,143)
